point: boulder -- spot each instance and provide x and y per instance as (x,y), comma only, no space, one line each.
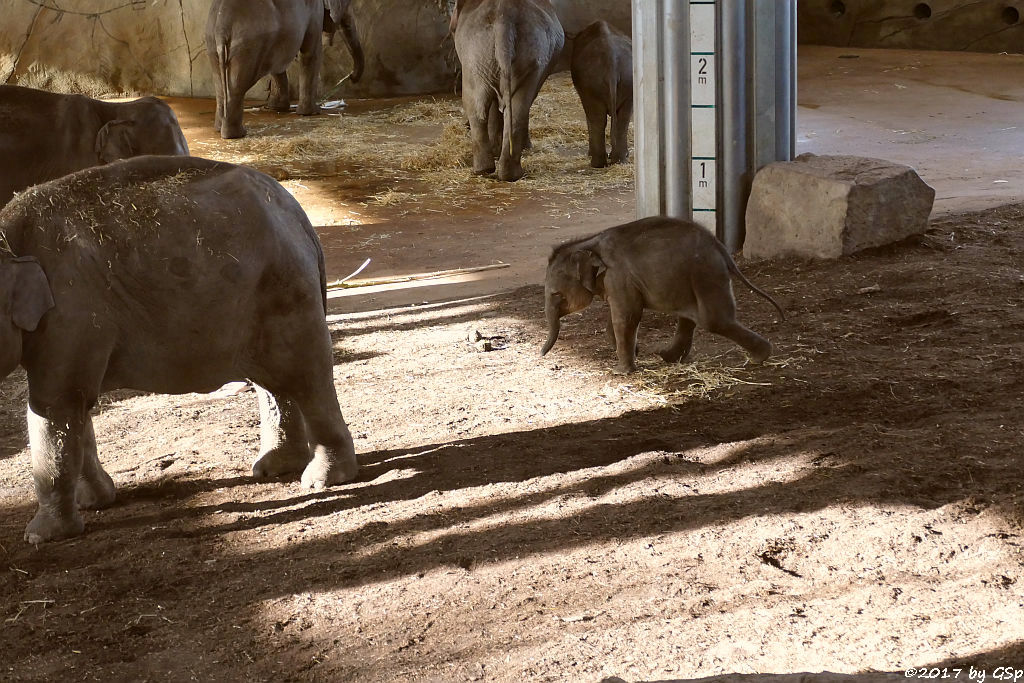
(830,206)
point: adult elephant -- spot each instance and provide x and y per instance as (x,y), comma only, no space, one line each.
(248,39)
(507,49)
(170,275)
(45,135)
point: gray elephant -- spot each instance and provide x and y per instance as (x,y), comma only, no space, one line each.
(507,49)
(45,135)
(664,264)
(602,73)
(248,39)
(214,275)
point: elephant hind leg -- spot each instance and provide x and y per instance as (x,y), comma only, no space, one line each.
(756,346)
(516,135)
(477,101)
(311,57)
(95,488)
(620,131)
(279,99)
(284,447)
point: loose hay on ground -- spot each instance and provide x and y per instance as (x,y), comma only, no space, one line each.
(378,143)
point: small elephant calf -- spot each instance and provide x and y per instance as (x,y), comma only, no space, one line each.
(602,73)
(664,264)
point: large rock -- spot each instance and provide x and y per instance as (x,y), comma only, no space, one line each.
(829,206)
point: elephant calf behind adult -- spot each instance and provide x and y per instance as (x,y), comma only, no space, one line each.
(602,73)
(45,135)
(214,275)
(507,49)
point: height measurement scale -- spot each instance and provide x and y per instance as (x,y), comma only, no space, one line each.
(703,114)
(714,100)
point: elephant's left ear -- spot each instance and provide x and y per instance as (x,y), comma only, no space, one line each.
(32,296)
(114,141)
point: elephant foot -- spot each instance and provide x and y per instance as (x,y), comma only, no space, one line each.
(484,170)
(279,107)
(322,471)
(622,369)
(307,110)
(232,132)
(620,158)
(283,459)
(761,353)
(97,494)
(672,356)
(598,162)
(510,172)
(47,526)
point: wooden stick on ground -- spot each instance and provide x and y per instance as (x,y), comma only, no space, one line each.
(398,279)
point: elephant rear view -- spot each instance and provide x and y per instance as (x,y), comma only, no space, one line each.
(45,135)
(602,73)
(248,39)
(507,49)
(213,274)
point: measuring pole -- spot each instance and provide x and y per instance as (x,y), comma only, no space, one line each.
(715,98)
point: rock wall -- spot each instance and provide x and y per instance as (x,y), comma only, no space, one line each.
(973,25)
(156,46)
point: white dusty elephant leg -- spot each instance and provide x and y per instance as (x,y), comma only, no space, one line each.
(284,447)
(57,450)
(95,488)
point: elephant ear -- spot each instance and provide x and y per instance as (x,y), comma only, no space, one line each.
(114,141)
(32,296)
(589,267)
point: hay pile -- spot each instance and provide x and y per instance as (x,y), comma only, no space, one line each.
(421,150)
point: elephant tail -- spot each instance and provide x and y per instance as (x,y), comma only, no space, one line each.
(223,54)
(505,56)
(735,270)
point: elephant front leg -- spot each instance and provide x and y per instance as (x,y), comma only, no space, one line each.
(58,444)
(625,315)
(95,488)
(310,58)
(284,447)
(279,98)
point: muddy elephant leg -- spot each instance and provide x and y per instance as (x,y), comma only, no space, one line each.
(57,450)
(311,56)
(95,488)
(476,102)
(679,348)
(513,142)
(279,99)
(620,132)
(626,310)
(284,447)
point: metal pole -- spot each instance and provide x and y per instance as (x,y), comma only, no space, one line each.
(676,102)
(647,97)
(734,180)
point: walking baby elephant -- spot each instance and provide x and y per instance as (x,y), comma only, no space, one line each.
(45,135)
(602,73)
(507,49)
(660,263)
(214,275)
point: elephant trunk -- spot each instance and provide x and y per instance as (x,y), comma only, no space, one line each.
(348,29)
(552,309)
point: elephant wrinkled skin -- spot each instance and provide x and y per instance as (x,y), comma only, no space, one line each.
(602,73)
(215,275)
(507,49)
(45,135)
(664,264)
(248,39)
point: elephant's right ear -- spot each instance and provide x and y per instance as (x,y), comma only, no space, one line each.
(31,294)
(589,267)
(114,141)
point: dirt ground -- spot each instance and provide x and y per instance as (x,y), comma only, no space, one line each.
(853,505)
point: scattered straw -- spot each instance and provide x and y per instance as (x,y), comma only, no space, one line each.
(674,383)
(422,151)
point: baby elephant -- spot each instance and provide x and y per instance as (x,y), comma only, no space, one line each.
(602,72)
(665,264)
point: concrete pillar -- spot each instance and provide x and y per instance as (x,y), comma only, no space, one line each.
(715,100)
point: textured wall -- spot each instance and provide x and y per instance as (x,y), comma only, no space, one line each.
(156,46)
(975,25)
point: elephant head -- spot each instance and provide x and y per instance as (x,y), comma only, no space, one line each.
(144,126)
(24,298)
(340,14)
(574,276)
